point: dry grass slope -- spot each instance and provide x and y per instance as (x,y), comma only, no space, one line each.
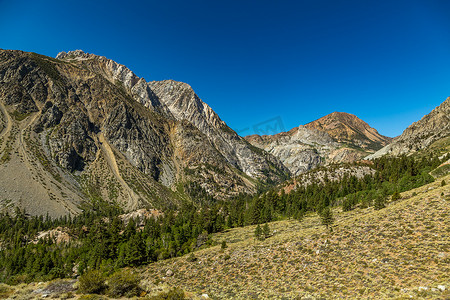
(397,252)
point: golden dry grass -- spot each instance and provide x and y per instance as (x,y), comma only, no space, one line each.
(396,252)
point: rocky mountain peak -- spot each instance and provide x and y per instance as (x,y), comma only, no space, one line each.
(177,100)
(75,54)
(117,74)
(184,104)
(100,64)
(334,138)
(348,128)
(300,149)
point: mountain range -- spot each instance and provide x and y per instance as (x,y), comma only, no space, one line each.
(335,138)
(83,127)
(80,128)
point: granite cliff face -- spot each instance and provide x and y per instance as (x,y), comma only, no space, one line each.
(83,127)
(184,104)
(177,100)
(335,138)
(421,134)
(300,149)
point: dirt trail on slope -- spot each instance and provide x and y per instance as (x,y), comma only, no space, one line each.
(7,120)
(111,160)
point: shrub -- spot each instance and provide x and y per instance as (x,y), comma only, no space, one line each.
(346,205)
(224,245)
(123,283)
(396,196)
(92,282)
(191,258)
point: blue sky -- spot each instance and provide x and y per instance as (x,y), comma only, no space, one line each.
(387,62)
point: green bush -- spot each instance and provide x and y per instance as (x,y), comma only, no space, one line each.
(191,258)
(123,283)
(347,205)
(92,282)
(224,245)
(396,196)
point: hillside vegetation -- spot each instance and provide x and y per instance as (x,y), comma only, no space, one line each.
(100,238)
(397,251)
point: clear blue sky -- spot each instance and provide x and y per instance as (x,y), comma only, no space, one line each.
(387,62)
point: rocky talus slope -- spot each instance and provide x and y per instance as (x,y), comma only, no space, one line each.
(83,127)
(421,134)
(335,138)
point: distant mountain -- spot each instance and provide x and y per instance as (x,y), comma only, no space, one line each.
(421,134)
(83,127)
(335,138)
(349,129)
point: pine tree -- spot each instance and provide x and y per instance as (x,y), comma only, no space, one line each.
(229,222)
(120,261)
(255,211)
(135,251)
(327,217)
(379,202)
(299,214)
(258,233)
(266,230)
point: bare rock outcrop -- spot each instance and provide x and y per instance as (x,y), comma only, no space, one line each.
(421,134)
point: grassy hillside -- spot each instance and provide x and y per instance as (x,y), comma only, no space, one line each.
(394,252)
